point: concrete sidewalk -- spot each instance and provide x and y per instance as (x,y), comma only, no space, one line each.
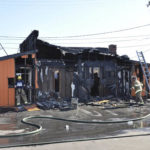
(134,143)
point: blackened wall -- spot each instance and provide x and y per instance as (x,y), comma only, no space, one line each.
(47,51)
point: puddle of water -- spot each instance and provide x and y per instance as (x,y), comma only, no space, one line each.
(7,126)
(5,132)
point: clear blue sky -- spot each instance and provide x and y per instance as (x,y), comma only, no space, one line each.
(59,18)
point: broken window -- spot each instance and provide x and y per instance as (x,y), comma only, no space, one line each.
(96,81)
(90,72)
(96,70)
(11,82)
(56,77)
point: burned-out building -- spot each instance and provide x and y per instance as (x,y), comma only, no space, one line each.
(85,73)
(82,72)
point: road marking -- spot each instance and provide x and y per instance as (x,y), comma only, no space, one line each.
(112,113)
(86,112)
(97,113)
(91,113)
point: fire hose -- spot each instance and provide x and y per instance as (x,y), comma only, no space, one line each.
(39,128)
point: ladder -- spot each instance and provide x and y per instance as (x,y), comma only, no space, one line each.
(145,70)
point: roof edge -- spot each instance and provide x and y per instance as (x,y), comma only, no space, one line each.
(18,55)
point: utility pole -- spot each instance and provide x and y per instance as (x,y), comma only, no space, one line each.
(3,49)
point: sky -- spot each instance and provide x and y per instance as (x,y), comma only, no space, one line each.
(78,23)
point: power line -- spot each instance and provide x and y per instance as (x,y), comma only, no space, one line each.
(102,33)
(100,42)
(11,48)
(85,35)
(12,43)
(3,49)
(134,46)
(87,41)
(118,46)
(7,36)
(49,38)
(87,38)
(127,46)
(145,51)
(82,41)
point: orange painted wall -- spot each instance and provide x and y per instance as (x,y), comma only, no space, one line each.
(7,70)
(36,79)
(36,75)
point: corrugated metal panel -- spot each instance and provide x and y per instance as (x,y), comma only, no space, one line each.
(7,70)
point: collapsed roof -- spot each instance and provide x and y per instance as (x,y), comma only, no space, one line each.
(50,51)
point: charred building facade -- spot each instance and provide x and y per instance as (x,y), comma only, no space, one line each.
(82,72)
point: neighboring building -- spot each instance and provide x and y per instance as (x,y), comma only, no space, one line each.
(10,67)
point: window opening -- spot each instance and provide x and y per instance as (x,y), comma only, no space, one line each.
(11,82)
(57,82)
(96,81)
